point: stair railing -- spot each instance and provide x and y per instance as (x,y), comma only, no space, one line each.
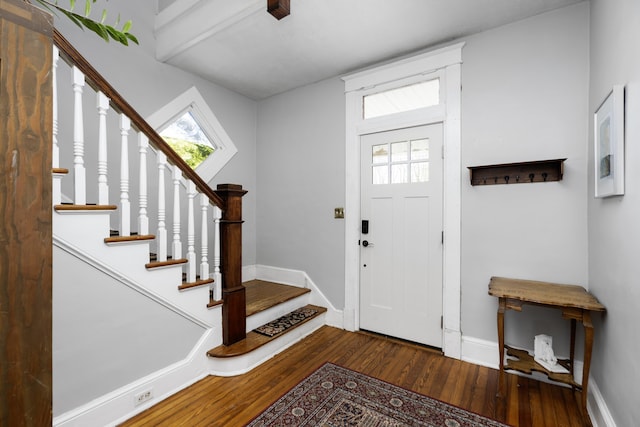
(222,206)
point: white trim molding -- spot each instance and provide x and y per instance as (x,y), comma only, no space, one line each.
(444,63)
(597,407)
(299,278)
(185,23)
(119,405)
(192,101)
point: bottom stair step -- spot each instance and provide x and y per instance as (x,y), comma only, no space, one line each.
(271,331)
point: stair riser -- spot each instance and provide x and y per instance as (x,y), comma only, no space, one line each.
(275,312)
(232,366)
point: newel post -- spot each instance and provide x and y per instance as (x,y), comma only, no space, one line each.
(233,293)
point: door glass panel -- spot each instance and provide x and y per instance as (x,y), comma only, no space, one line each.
(399,173)
(399,152)
(420,172)
(380,154)
(380,174)
(420,149)
(399,100)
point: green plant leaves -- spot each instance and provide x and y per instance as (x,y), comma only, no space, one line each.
(107,32)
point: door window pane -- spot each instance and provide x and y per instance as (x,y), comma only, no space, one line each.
(399,100)
(399,173)
(420,172)
(420,149)
(380,174)
(399,152)
(380,154)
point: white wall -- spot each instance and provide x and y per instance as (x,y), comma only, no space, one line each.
(614,234)
(107,335)
(524,98)
(300,181)
(148,85)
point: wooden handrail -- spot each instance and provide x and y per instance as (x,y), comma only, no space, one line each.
(99,83)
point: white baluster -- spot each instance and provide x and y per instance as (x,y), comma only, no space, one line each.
(57,179)
(125,205)
(161,235)
(177,243)
(217,275)
(102,104)
(143,218)
(204,234)
(79,173)
(191,235)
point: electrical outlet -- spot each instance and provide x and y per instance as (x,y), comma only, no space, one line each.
(142,397)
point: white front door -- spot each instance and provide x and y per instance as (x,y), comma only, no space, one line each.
(401,252)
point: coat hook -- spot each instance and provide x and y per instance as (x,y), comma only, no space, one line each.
(517,178)
(506,179)
(531,175)
(495,179)
(544,176)
(484,181)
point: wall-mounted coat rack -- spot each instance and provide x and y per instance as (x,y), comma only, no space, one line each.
(517,173)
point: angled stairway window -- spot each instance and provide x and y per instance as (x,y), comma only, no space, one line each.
(189,126)
(188,139)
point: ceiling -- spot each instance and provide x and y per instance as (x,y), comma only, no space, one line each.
(239,45)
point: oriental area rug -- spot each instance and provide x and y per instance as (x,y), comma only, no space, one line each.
(336,396)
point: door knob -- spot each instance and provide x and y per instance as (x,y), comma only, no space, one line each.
(365,243)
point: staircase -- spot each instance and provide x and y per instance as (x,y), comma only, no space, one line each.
(146,222)
(266,302)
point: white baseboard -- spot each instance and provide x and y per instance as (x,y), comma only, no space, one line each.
(334,317)
(485,353)
(119,405)
(597,407)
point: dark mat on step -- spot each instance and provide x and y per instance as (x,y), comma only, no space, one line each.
(285,322)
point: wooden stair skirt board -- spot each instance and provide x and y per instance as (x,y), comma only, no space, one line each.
(255,340)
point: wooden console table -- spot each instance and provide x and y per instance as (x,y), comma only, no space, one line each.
(576,305)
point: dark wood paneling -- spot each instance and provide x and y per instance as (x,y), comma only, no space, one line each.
(25,209)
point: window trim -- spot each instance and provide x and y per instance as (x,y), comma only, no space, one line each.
(191,100)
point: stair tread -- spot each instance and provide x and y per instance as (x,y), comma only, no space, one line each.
(255,340)
(88,207)
(198,282)
(157,264)
(133,238)
(262,295)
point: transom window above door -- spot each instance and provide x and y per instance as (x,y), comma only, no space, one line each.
(400,162)
(402,99)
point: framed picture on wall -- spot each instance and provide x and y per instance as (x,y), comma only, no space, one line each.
(609,145)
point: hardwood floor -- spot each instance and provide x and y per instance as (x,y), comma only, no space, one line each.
(218,401)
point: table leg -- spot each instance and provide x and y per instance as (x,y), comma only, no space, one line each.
(588,345)
(572,349)
(501,380)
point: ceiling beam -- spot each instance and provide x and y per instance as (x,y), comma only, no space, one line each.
(278,8)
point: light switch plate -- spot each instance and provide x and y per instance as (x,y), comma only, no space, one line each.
(338,213)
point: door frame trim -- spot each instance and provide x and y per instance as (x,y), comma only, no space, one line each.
(446,64)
